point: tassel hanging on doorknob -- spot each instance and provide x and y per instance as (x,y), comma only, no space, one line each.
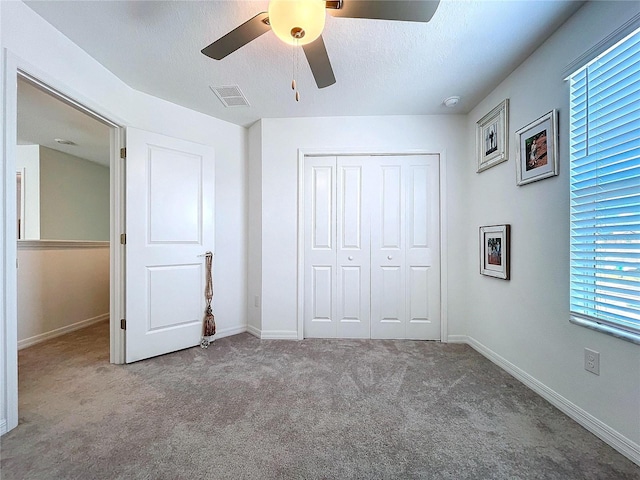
(209,326)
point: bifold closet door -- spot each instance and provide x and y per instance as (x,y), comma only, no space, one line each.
(371,236)
(405,247)
(337,249)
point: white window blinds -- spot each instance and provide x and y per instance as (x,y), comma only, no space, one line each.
(605,191)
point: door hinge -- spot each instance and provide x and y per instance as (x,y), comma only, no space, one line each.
(123,153)
(123,324)
(123,238)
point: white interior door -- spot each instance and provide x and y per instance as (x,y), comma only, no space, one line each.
(169,218)
(405,248)
(371,236)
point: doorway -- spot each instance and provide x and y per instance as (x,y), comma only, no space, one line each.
(63,162)
(16,69)
(371,230)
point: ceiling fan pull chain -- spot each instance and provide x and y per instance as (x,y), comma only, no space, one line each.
(294,61)
(293,69)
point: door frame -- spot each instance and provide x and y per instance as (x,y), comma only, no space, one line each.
(15,67)
(341,152)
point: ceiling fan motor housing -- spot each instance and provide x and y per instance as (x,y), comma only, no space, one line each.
(297,32)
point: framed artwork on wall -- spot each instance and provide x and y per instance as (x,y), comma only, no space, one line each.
(492,137)
(494,251)
(538,149)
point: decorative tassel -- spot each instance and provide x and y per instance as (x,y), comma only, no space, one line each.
(209,324)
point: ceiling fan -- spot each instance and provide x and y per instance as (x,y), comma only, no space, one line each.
(300,23)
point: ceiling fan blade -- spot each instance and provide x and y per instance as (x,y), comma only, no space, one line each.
(238,37)
(318,59)
(404,10)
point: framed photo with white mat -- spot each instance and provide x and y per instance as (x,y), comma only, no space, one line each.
(494,251)
(538,149)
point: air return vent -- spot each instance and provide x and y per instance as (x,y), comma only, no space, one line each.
(230,96)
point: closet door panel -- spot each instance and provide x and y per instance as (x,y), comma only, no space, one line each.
(353,251)
(320,248)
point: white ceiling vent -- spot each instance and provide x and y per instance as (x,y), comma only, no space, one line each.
(230,96)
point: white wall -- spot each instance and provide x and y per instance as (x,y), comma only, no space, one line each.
(46,53)
(526,320)
(74,197)
(28,158)
(61,287)
(281,139)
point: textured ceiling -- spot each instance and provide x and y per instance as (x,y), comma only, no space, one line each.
(43,118)
(381,67)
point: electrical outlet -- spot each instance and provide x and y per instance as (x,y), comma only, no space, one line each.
(592,361)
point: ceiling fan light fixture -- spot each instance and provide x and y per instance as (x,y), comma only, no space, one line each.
(297,22)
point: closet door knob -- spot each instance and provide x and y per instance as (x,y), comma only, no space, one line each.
(389,257)
(350,257)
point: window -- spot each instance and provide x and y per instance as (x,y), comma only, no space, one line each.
(604,142)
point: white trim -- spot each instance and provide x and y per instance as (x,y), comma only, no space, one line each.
(117,251)
(34,79)
(612,437)
(278,335)
(444,274)
(300,293)
(254,331)
(3,427)
(603,327)
(43,337)
(9,242)
(444,250)
(59,244)
(229,331)
(458,339)
(609,41)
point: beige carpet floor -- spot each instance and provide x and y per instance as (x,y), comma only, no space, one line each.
(252,409)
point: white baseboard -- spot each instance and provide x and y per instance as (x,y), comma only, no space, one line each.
(279,335)
(43,337)
(457,339)
(612,437)
(272,334)
(3,426)
(227,332)
(254,331)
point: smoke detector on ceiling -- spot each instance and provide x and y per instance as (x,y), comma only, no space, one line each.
(451,101)
(230,96)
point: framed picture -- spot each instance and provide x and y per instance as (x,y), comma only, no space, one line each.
(538,149)
(492,139)
(494,251)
